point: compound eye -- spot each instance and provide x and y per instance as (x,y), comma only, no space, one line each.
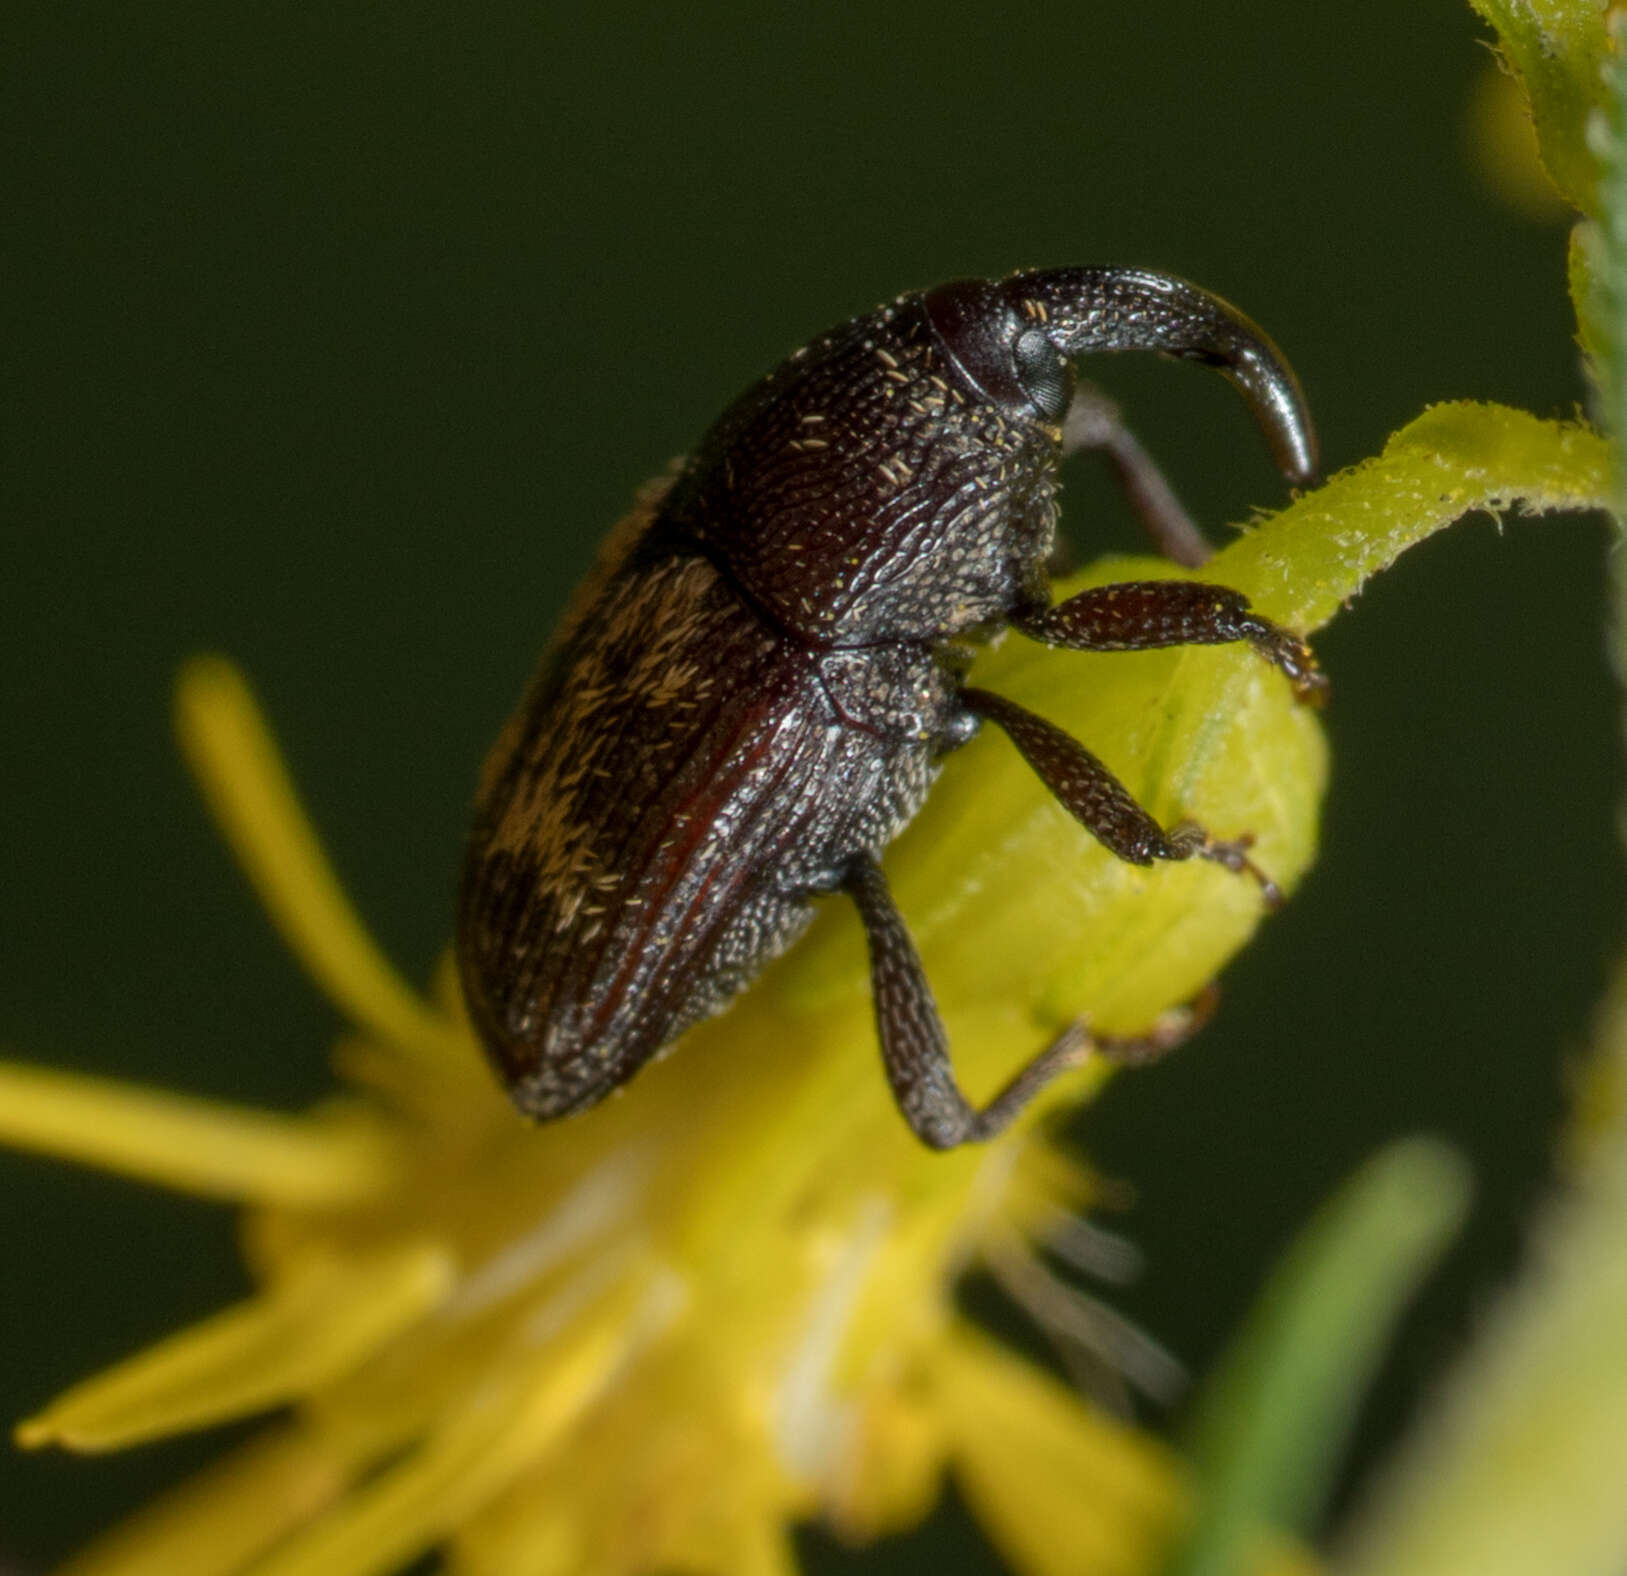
(1045,375)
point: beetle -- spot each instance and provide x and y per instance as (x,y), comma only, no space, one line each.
(754,689)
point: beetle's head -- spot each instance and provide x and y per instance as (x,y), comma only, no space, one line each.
(999,347)
(1012,342)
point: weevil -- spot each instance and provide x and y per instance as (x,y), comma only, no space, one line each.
(754,690)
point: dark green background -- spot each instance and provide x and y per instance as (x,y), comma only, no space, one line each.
(339,332)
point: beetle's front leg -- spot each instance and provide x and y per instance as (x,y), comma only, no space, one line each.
(1140,615)
(1094,797)
(915,1046)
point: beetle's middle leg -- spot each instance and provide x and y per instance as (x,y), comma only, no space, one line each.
(1094,425)
(915,1045)
(1142,615)
(1094,797)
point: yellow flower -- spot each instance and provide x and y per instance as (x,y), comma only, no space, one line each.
(654,1337)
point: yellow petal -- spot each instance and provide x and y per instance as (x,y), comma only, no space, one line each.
(240,771)
(1058,1487)
(765,1550)
(546,1539)
(504,1428)
(893,1470)
(271,1349)
(338,1156)
(228,1514)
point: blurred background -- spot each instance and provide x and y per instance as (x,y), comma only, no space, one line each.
(339,334)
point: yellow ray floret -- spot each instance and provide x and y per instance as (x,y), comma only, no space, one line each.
(1059,1488)
(498,1431)
(339,1155)
(296,1336)
(240,771)
(219,1520)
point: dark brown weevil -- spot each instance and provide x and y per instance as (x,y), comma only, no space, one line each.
(753,692)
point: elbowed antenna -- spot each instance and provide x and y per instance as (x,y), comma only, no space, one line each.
(1101,309)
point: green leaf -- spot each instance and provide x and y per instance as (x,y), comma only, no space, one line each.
(1557,47)
(1304,564)
(1522,1465)
(1271,1422)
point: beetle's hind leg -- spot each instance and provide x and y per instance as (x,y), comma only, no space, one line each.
(1144,615)
(1094,425)
(915,1046)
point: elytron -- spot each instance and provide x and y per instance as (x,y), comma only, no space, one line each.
(754,690)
